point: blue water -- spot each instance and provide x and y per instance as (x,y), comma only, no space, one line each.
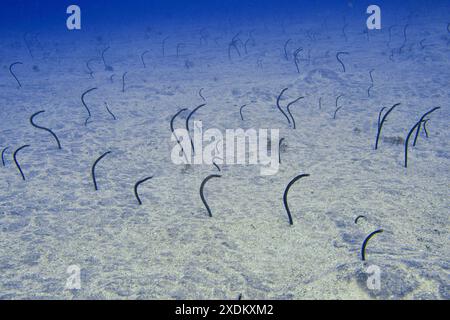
(44,14)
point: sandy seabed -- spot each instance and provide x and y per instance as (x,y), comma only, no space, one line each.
(169,248)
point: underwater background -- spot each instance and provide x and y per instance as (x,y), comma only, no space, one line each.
(112,89)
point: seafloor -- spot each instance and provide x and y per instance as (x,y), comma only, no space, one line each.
(169,248)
